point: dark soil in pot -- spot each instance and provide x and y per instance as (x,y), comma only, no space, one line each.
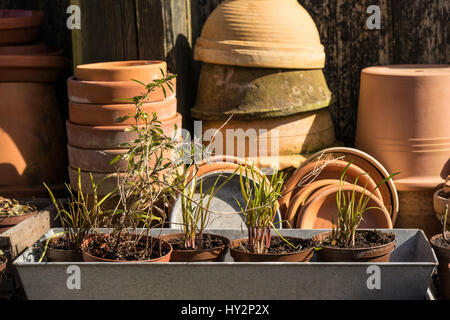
(59,250)
(279,250)
(149,249)
(212,248)
(442,250)
(370,246)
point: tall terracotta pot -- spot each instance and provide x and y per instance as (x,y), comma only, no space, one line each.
(403,121)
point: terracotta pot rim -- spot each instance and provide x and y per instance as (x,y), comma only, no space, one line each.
(407,70)
(74,79)
(169,99)
(233,246)
(31,18)
(2,217)
(119,65)
(392,243)
(33,61)
(83,245)
(198,251)
(436,236)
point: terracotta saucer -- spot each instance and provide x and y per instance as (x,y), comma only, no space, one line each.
(322,210)
(19,26)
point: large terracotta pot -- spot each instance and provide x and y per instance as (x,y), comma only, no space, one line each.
(32,140)
(110,137)
(19,26)
(299,133)
(142,70)
(443,255)
(261,33)
(111,92)
(250,93)
(107,115)
(407,126)
(242,256)
(215,254)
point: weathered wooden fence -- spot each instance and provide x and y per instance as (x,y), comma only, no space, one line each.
(413,31)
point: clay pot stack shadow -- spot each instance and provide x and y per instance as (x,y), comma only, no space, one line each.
(262,65)
(98,96)
(31,127)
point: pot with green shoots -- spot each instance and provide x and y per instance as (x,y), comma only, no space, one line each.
(347,244)
(260,207)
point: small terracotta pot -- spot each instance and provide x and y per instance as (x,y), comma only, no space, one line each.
(241,256)
(332,170)
(9,222)
(31,50)
(142,70)
(110,92)
(107,115)
(19,26)
(27,68)
(443,255)
(322,210)
(60,255)
(90,258)
(375,254)
(204,255)
(110,137)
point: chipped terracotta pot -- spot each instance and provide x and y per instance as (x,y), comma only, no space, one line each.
(406,127)
(443,255)
(300,133)
(19,26)
(32,140)
(110,92)
(110,137)
(142,70)
(107,115)
(30,49)
(261,33)
(321,210)
(332,170)
(250,93)
(35,68)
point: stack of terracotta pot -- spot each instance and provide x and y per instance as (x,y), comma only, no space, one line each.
(98,96)
(262,65)
(31,129)
(407,127)
(309,196)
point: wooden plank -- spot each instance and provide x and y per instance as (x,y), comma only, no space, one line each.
(421,31)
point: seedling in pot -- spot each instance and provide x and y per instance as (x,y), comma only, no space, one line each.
(260,207)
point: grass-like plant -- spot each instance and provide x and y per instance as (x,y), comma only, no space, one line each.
(350,210)
(444,225)
(260,206)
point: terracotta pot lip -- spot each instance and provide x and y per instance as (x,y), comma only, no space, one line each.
(74,79)
(83,245)
(169,99)
(198,251)
(119,65)
(435,237)
(33,61)
(240,240)
(2,217)
(97,150)
(408,70)
(24,19)
(353,249)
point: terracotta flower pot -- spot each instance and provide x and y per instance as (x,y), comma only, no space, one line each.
(443,255)
(32,141)
(370,165)
(242,256)
(321,211)
(261,33)
(87,257)
(63,255)
(110,92)
(19,26)
(110,137)
(374,254)
(204,255)
(142,70)
(333,170)
(107,115)
(31,68)
(39,48)
(7,222)
(299,133)
(406,128)
(252,93)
